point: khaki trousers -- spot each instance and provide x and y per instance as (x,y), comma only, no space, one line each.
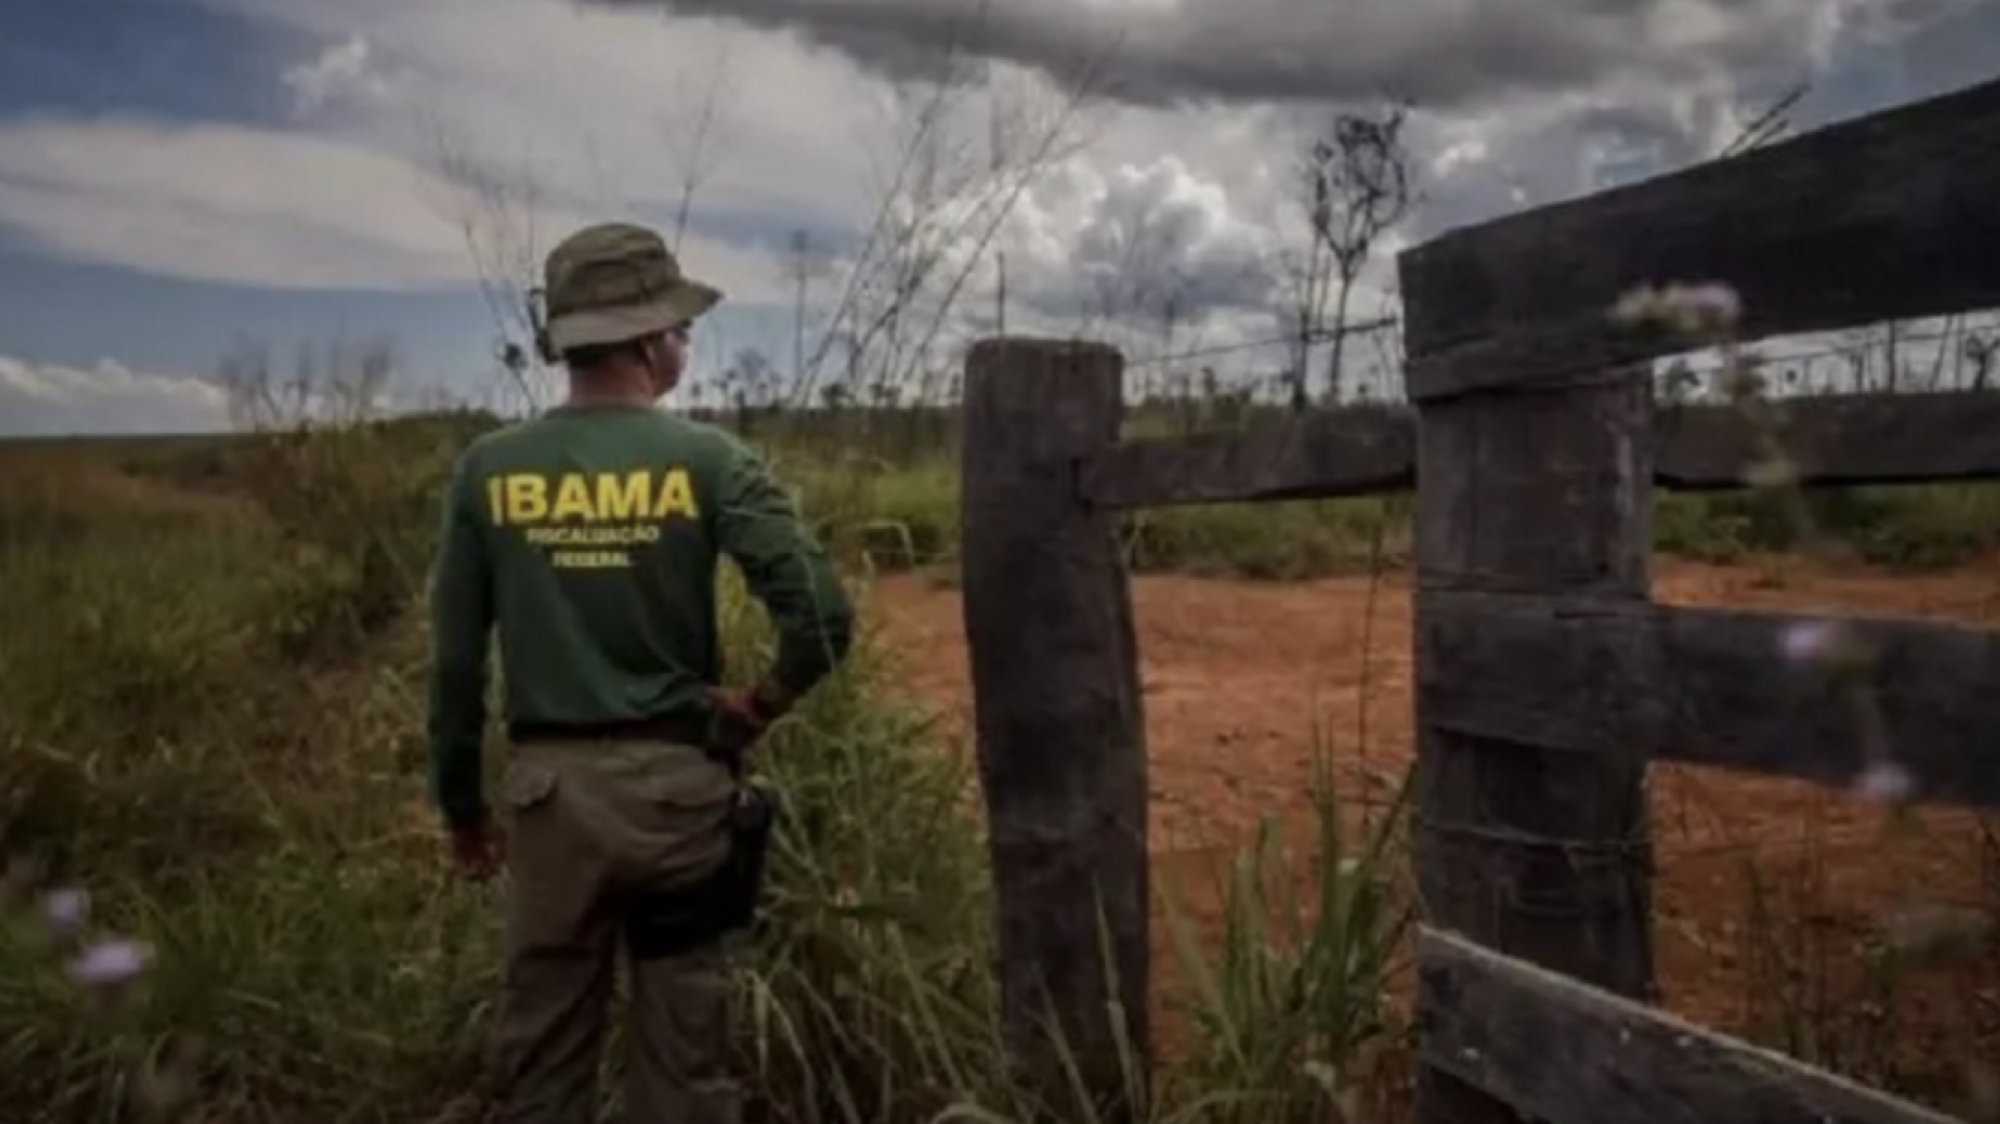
(591,824)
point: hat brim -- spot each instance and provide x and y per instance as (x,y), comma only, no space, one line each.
(680,304)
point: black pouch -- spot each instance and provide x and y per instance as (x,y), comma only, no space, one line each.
(740,883)
(685,918)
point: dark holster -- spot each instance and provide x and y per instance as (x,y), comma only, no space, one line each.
(670,922)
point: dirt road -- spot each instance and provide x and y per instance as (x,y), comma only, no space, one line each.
(1242,679)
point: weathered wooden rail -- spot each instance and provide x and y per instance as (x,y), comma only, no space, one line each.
(1849,439)
(1547,678)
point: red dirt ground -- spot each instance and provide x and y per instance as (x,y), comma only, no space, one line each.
(1236,676)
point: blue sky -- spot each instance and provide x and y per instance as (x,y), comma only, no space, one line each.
(178,177)
(98,56)
(165,61)
(168,61)
(134,82)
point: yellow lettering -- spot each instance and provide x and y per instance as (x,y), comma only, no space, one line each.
(676,495)
(573,499)
(622,497)
(590,559)
(630,499)
(527,498)
(628,534)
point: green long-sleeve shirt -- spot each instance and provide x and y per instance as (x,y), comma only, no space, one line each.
(588,538)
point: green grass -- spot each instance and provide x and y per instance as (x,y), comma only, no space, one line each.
(1909,527)
(213,677)
(211,683)
(904,517)
(895,498)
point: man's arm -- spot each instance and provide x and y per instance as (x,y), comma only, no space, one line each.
(461,617)
(788,571)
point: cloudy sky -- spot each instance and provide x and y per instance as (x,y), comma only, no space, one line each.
(181,179)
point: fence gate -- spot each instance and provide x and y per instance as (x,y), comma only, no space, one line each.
(1547,678)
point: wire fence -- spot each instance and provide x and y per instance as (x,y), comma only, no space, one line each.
(1295,368)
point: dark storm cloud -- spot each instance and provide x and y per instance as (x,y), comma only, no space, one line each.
(1522,102)
(1440,53)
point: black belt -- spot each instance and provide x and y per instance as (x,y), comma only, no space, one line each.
(681,729)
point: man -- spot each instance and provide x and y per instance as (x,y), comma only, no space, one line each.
(589,538)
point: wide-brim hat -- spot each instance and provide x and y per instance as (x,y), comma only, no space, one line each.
(615,282)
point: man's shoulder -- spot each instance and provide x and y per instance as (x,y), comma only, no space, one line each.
(708,433)
(474,454)
(529,441)
(499,438)
(709,445)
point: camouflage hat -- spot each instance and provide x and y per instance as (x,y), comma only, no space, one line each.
(614,282)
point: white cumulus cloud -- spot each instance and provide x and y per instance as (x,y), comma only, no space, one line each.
(226,203)
(345,71)
(51,400)
(263,207)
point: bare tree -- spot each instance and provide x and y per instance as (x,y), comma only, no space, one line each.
(1356,185)
(894,297)
(498,209)
(805,263)
(694,157)
(942,205)
(1767,126)
(346,384)
(752,386)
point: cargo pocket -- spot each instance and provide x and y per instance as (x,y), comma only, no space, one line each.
(540,852)
(686,810)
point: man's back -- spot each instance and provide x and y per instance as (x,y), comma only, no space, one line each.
(590,536)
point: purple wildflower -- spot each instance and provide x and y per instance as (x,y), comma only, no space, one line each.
(1885,782)
(1810,641)
(66,909)
(109,963)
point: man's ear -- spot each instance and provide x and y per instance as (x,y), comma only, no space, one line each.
(652,350)
(670,363)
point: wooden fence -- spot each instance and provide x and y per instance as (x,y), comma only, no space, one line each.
(1546,677)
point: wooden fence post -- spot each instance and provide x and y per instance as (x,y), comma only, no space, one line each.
(1061,738)
(1531,851)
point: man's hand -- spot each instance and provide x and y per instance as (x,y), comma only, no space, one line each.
(745,714)
(475,850)
(736,706)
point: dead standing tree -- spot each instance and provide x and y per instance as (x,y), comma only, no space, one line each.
(499,212)
(1355,183)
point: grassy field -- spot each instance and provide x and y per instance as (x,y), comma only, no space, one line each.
(898,507)
(211,690)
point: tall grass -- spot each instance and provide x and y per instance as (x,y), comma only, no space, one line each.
(210,717)
(212,684)
(1293,1005)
